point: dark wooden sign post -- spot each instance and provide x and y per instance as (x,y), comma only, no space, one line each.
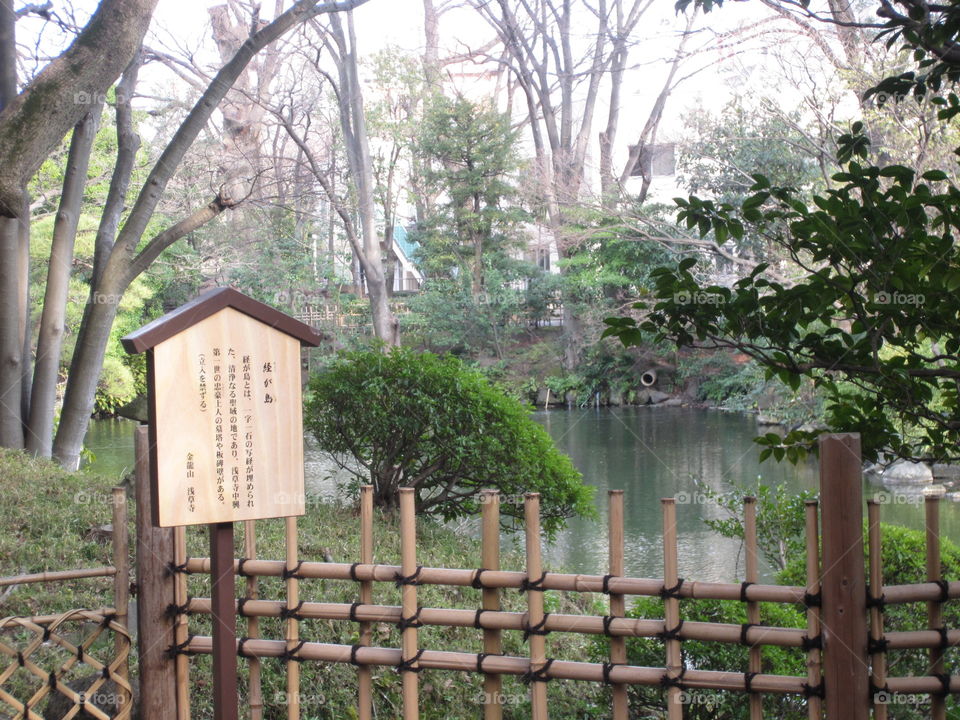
(226,435)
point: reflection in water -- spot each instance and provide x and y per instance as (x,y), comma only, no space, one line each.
(650,453)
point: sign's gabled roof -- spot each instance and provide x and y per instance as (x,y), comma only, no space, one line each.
(185,316)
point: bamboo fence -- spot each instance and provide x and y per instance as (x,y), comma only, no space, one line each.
(54,655)
(537,668)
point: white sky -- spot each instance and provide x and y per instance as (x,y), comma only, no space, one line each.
(183,26)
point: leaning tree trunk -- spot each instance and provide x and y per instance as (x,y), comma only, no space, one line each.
(128,257)
(85,366)
(50,339)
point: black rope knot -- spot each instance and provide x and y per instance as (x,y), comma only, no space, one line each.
(744,629)
(671,634)
(293,653)
(748,681)
(240,571)
(480,658)
(944,682)
(477,624)
(527,585)
(181,568)
(607,622)
(944,589)
(288,613)
(606,584)
(353,572)
(182,648)
(401,580)
(880,602)
(607,667)
(811,643)
(410,622)
(540,675)
(353,611)
(290,574)
(743,590)
(812,599)
(666,681)
(477,582)
(240,650)
(810,691)
(353,654)
(672,592)
(877,645)
(409,665)
(174,610)
(241,605)
(538,629)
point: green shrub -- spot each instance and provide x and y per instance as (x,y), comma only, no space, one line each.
(403,418)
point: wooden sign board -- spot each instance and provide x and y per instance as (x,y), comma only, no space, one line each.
(226,423)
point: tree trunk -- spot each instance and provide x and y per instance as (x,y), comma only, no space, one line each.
(11,342)
(354,126)
(37,119)
(50,339)
(124,262)
(85,368)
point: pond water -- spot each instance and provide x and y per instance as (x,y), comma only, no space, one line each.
(648,452)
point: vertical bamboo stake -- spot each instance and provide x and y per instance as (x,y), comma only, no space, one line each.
(671,607)
(293,626)
(878,660)
(753,608)
(408,602)
(938,708)
(180,629)
(538,644)
(121,585)
(253,622)
(364,673)
(846,665)
(155,592)
(814,706)
(490,549)
(618,606)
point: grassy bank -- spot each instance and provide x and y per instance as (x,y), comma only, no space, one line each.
(47,516)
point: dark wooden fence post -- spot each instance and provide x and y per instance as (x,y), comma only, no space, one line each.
(155,594)
(846,671)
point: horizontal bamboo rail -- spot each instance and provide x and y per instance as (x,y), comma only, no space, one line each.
(555,622)
(58,575)
(507,665)
(563,582)
(47,619)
